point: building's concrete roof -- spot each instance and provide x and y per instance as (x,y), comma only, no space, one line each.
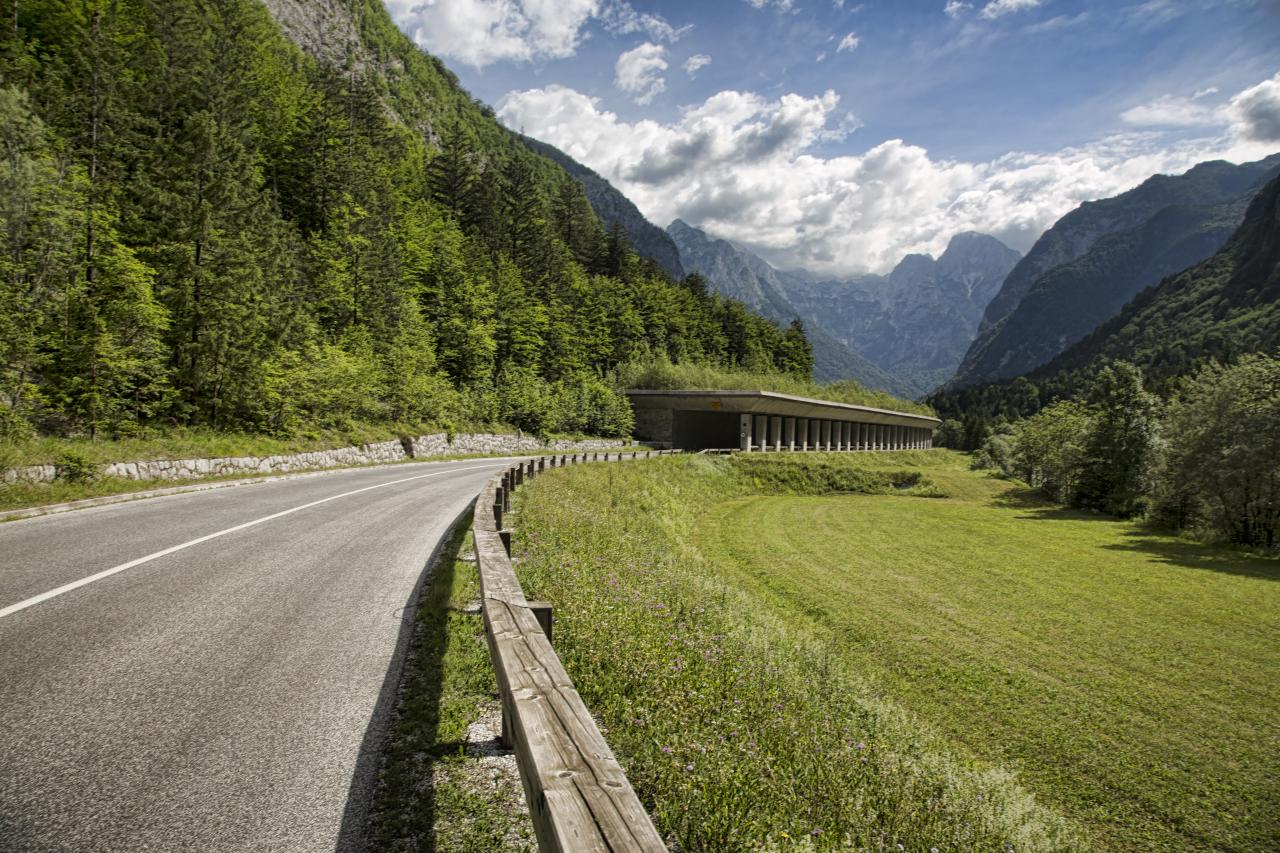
(773,403)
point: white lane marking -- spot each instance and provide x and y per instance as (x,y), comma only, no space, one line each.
(115,570)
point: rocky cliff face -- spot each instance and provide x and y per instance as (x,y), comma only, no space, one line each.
(1165,220)
(917,322)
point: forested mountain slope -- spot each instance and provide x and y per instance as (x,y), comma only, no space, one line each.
(1219,309)
(613,207)
(205,224)
(1164,221)
(740,275)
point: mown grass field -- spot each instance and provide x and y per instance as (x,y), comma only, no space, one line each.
(779,666)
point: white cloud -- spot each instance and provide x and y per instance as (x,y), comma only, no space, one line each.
(638,72)
(849,42)
(744,167)
(1205,92)
(956,8)
(1255,112)
(997,8)
(619,18)
(481,32)
(1172,111)
(693,63)
(781,5)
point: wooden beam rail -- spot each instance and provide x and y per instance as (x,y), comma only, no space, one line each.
(578,796)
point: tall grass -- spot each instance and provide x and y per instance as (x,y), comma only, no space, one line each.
(739,728)
(663,375)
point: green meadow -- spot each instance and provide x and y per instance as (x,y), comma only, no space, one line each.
(893,652)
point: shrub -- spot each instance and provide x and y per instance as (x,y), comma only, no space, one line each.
(74,467)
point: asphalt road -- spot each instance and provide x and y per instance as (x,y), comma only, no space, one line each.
(227,695)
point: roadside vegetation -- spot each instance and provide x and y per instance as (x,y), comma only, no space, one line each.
(440,788)
(778,665)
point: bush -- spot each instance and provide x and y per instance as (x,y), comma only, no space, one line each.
(74,467)
(996,454)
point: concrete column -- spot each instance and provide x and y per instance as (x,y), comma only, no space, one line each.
(744,432)
(789,432)
(802,432)
(860,436)
(826,434)
(879,439)
(837,436)
(762,432)
(775,432)
(815,434)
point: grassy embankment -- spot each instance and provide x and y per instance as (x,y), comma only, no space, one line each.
(883,669)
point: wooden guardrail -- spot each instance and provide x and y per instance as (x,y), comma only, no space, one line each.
(578,796)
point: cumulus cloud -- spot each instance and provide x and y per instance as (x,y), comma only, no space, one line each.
(1255,112)
(481,32)
(997,8)
(849,42)
(745,167)
(638,72)
(693,63)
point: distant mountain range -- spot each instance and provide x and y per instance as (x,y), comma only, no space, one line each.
(980,312)
(917,322)
(612,206)
(1220,308)
(909,329)
(1100,255)
(738,274)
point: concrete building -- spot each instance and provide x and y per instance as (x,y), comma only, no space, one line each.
(765,420)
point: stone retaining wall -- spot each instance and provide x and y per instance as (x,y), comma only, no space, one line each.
(422,447)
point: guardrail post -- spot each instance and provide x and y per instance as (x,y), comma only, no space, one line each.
(505,535)
(498,507)
(542,464)
(542,612)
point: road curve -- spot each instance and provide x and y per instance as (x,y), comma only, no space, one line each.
(225,695)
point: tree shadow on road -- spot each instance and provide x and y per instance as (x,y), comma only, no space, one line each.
(391,800)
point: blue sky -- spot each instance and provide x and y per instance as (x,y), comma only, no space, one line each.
(838,136)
